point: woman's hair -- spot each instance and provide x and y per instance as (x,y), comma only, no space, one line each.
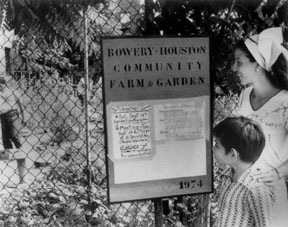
(241,45)
(278,76)
(242,134)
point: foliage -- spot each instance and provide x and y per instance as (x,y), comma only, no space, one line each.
(225,21)
(61,199)
(51,33)
(50,106)
(53,203)
(55,20)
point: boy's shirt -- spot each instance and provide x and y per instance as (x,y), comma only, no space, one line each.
(245,202)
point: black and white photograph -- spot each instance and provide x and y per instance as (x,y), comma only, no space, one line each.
(143,113)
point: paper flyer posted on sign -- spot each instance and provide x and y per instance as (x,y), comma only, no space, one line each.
(131,131)
(180,121)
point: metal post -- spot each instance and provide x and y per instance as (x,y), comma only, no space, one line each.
(86,69)
(205,216)
(158,209)
(148,15)
(182,215)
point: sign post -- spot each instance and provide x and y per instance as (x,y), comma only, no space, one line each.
(158,212)
(157,108)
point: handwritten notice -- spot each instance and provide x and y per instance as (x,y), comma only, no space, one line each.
(180,121)
(131,130)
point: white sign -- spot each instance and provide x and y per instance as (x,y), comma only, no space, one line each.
(157,97)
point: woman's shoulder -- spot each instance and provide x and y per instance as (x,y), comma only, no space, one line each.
(282,97)
(247,90)
(244,97)
(284,93)
(245,93)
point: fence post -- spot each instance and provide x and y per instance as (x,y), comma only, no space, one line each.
(158,210)
(86,69)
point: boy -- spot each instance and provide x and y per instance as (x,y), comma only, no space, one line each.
(243,201)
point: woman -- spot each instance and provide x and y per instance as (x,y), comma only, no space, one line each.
(262,62)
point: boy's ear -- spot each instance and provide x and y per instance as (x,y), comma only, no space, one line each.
(234,154)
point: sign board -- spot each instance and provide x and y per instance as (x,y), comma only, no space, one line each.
(157,104)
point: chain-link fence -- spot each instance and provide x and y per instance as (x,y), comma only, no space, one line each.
(52,154)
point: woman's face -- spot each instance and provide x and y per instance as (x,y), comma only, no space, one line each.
(243,67)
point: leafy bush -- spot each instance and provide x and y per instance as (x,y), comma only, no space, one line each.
(61,199)
(52,106)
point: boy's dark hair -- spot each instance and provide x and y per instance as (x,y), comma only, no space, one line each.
(242,134)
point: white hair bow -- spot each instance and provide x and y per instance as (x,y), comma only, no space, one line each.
(267,46)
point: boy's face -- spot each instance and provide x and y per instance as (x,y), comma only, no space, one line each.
(219,152)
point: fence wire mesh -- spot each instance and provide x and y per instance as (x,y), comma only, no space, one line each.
(47,178)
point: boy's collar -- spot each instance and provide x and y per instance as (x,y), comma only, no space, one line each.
(246,175)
